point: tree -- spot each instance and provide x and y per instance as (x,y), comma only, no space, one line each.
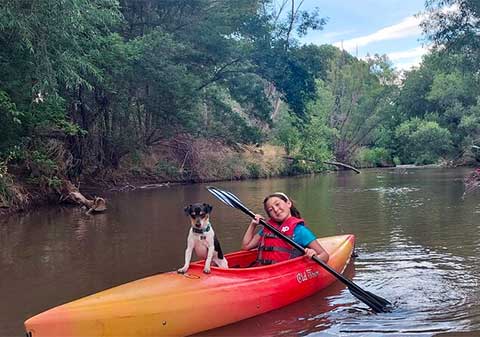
(455,25)
(363,94)
(100,79)
(50,51)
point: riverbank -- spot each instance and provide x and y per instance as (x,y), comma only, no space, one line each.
(176,161)
(180,160)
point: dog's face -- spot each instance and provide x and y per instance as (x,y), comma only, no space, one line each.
(199,215)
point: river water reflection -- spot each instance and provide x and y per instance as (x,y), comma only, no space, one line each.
(418,244)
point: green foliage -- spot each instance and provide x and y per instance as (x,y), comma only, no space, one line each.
(50,49)
(234,168)
(412,100)
(223,122)
(308,143)
(374,157)
(317,136)
(51,113)
(107,78)
(8,110)
(254,170)
(448,97)
(40,164)
(5,182)
(287,134)
(443,90)
(110,77)
(422,142)
(168,169)
(9,122)
(54,183)
(277,57)
(470,121)
(358,97)
(41,27)
(450,88)
(456,30)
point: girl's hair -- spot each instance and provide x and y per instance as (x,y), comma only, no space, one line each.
(295,212)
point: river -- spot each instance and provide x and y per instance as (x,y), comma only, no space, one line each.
(418,244)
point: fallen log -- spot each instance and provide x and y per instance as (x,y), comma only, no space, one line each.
(72,194)
(336,163)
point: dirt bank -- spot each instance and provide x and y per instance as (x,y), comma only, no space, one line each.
(176,161)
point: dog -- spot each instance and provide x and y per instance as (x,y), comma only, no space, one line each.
(202,239)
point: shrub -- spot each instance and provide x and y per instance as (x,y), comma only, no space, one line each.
(5,181)
(254,170)
(422,142)
(375,157)
(167,169)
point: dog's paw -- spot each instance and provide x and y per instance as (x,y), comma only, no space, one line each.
(206,270)
(182,270)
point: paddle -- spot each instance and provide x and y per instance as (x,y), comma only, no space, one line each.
(377,303)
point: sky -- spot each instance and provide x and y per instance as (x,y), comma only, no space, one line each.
(364,27)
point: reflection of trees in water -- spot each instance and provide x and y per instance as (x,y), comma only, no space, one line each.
(471,181)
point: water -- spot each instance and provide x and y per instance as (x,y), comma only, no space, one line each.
(417,242)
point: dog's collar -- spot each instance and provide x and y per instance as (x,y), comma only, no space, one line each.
(201,231)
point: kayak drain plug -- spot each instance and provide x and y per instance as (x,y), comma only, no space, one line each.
(164,323)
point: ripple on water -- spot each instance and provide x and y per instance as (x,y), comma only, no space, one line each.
(428,288)
(393,190)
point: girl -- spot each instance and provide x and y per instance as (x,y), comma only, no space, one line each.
(286,218)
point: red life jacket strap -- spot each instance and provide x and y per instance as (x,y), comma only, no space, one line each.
(270,235)
(274,248)
(264,261)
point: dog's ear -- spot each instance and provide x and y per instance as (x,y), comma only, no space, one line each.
(208,207)
(187,209)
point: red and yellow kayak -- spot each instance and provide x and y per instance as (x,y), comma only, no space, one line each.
(172,304)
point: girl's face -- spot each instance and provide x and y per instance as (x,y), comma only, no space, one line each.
(278,209)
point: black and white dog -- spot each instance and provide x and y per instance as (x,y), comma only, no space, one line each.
(202,239)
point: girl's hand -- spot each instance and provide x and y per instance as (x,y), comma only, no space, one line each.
(256,221)
(310,252)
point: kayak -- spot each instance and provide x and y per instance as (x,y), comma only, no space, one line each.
(172,304)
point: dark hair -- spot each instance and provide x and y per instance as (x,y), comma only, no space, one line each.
(295,212)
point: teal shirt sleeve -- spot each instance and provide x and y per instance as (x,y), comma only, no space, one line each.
(303,235)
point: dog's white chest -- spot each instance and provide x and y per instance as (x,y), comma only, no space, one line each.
(203,240)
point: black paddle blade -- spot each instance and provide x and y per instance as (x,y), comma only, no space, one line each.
(226,197)
(376,303)
(381,300)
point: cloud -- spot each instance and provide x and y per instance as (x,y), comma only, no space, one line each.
(415,53)
(334,35)
(408,27)
(405,60)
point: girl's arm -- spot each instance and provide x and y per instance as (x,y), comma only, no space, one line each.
(314,248)
(250,238)
(305,237)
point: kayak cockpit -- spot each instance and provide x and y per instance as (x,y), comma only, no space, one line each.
(240,259)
